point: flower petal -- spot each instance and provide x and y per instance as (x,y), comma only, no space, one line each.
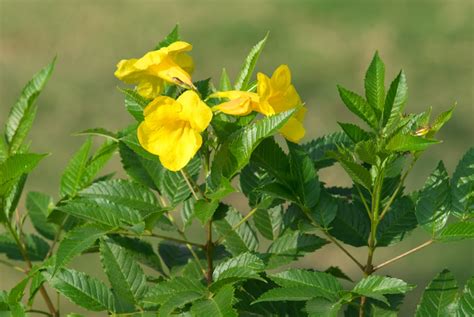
(238,107)
(179,47)
(127,72)
(293,130)
(150,87)
(195,111)
(281,78)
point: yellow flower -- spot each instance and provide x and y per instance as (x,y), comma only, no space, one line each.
(170,64)
(171,128)
(277,94)
(240,103)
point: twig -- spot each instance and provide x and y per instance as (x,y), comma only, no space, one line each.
(191,188)
(177,240)
(13,266)
(421,246)
(236,226)
(209,253)
(37,311)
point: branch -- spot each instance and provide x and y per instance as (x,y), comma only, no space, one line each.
(421,246)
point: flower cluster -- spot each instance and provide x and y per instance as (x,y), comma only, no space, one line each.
(172,128)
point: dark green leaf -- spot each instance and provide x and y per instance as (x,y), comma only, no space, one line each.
(319,149)
(141,250)
(73,174)
(374,84)
(358,173)
(399,221)
(351,225)
(462,185)
(39,206)
(173,36)
(135,103)
(204,210)
(16,165)
(354,132)
(325,210)
(36,247)
(218,306)
(395,101)
(357,105)
(439,298)
(268,221)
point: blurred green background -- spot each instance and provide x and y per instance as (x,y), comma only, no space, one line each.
(323,42)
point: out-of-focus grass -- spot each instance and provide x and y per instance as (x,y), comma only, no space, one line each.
(323,42)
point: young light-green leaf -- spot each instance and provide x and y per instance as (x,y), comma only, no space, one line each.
(357,105)
(395,101)
(376,286)
(375,84)
(248,67)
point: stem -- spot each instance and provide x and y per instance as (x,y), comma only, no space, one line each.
(421,246)
(13,266)
(191,187)
(363,201)
(37,311)
(209,251)
(236,226)
(333,240)
(177,240)
(25,256)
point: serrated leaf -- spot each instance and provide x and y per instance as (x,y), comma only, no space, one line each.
(433,203)
(374,84)
(354,132)
(300,293)
(74,171)
(399,221)
(351,225)
(14,167)
(125,275)
(325,210)
(246,71)
(174,185)
(245,260)
(456,231)
(141,250)
(218,306)
(135,103)
(324,284)
(103,212)
(268,221)
(241,240)
(409,143)
(439,297)
(291,246)
(358,173)
(38,206)
(462,185)
(320,307)
(83,290)
(173,36)
(178,300)
(99,132)
(269,156)
(466,300)
(358,106)
(76,241)
(395,101)
(235,153)
(163,291)
(203,209)
(36,248)
(376,286)
(338,273)
(318,149)
(23,112)
(204,88)
(224,82)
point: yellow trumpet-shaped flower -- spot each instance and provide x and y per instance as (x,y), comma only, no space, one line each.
(240,103)
(277,94)
(171,128)
(170,64)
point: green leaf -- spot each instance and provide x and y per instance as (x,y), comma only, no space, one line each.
(36,248)
(125,275)
(173,36)
(77,241)
(174,185)
(466,300)
(135,103)
(36,282)
(395,101)
(22,114)
(147,172)
(462,185)
(224,82)
(39,206)
(357,105)
(351,225)
(141,250)
(268,221)
(204,88)
(398,222)
(83,290)
(245,260)
(440,121)
(306,185)
(376,286)
(241,240)
(409,143)
(74,171)
(103,212)
(163,291)
(356,172)
(320,307)
(325,210)
(354,132)
(325,285)
(319,149)
(300,293)
(291,246)
(433,203)
(338,273)
(269,156)
(14,166)
(99,132)
(456,231)
(204,210)
(235,153)
(439,297)
(218,306)
(374,84)
(180,299)
(122,192)
(246,71)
